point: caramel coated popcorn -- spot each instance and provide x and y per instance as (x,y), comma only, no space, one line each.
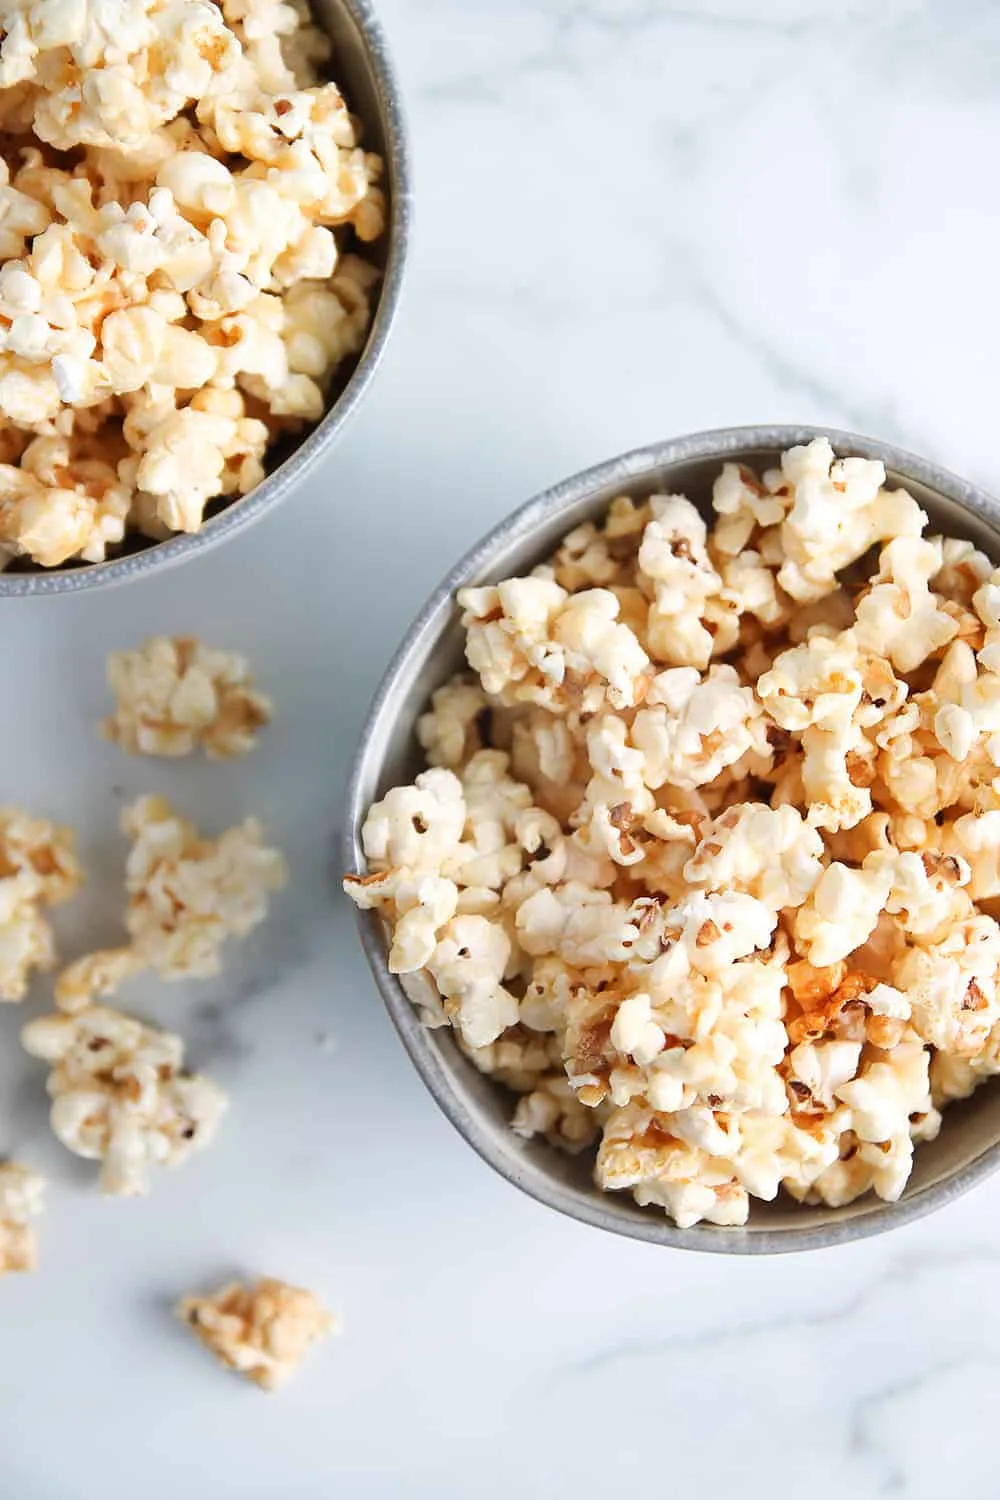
(705,863)
(261,1331)
(175,695)
(38,868)
(186,895)
(182,193)
(21,1195)
(120,1094)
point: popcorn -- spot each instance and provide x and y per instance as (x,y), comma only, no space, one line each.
(693,727)
(261,1331)
(21,1193)
(900,616)
(530,642)
(38,868)
(174,694)
(187,895)
(842,910)
(195,247)
(120,1095)
(721,917)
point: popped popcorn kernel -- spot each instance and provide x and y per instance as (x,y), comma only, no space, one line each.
(120,1094)
(705,868)
(21,1195)
(175,695)
(260,1331)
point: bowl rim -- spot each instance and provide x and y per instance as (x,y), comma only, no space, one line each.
(595,1208)
(277,485)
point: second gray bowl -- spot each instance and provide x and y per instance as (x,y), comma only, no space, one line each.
(968,1148)
(362,67)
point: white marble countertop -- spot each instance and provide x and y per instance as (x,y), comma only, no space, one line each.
(634,219)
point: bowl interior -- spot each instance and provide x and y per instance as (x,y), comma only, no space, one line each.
(968,1144)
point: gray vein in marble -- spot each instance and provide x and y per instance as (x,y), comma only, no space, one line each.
(907,1267)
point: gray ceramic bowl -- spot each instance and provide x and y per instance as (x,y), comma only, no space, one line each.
(968,1148)
(362,67)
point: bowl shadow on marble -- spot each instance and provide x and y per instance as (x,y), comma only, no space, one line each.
(968,1148)
(363,68)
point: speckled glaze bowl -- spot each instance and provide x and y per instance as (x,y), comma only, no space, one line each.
(968,1148)
(363,69)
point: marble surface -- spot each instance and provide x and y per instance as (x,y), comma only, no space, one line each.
(635,219)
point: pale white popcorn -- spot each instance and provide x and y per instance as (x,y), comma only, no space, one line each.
(673,556)
(553,1110)
(770,853)
(637,1154)
(692,727)
(175,695)
(260,1331)
(842,911)
(38,868)
(468,964)
(900,616)
(120,1095)
(952,985)
(187,895)
(839,508)
(723,916)
(21,1195)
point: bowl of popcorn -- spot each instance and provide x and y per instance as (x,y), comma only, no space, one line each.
(675,834)
(203,220)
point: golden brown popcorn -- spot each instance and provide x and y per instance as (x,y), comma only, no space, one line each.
(261,1331)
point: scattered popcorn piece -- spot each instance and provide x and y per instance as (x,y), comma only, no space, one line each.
(174,695)
(187,895)
(697,866)
(260,1331)
(21,1193)
(38,868)
(120,1095)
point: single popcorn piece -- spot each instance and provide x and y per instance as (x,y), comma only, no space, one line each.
(260,1331)
(175,695)
(120,1095)
(38,868)
(21,1195)
(842,911)
(704,868)
(187,895)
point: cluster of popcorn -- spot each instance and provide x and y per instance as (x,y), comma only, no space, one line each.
(38,868)
(179,192)
(187,895)
(21,1196)
(175,695)
(260,1331)
(706,862)
(120,1095)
